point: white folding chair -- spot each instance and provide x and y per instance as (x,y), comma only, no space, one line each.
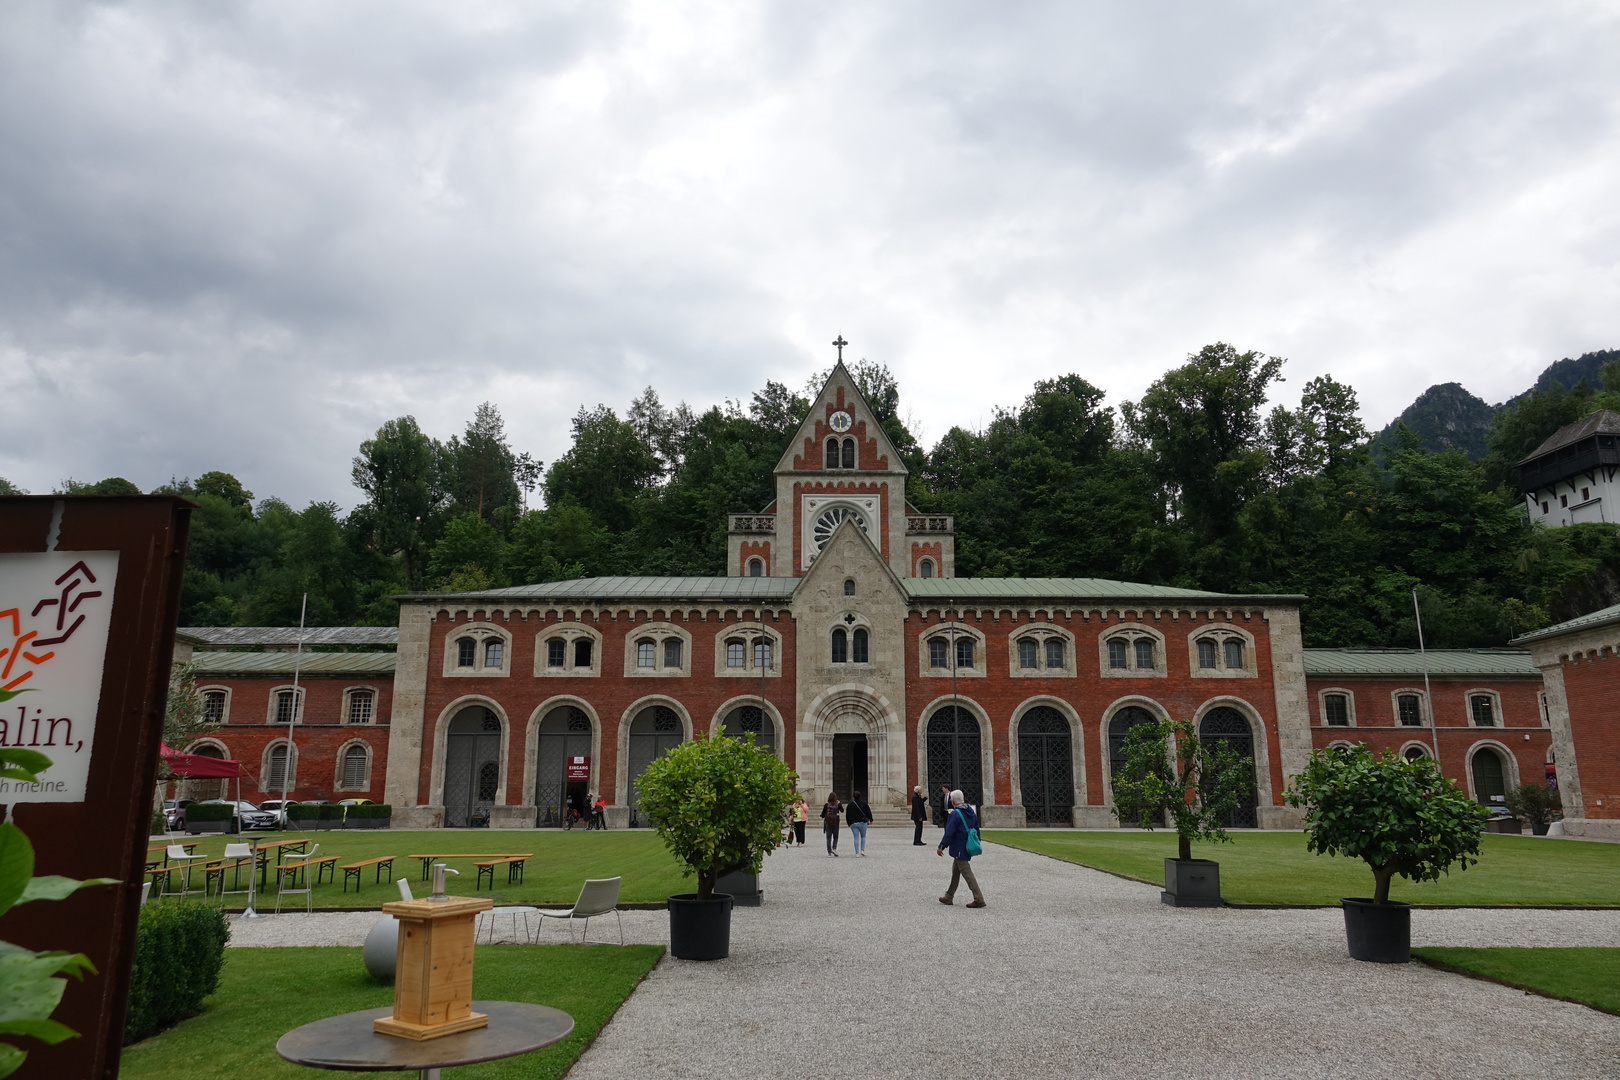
(177,854)
(290,870)
(598,897)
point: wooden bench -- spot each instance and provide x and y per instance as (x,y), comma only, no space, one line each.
(323,864)
(218,867)
(514,870)
(428,860)
(383,863)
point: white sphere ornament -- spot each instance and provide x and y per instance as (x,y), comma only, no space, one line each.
(382,949)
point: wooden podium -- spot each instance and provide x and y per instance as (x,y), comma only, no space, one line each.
(433,974)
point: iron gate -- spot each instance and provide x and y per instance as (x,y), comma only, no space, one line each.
(750,719)
(564,733)
(1046,767)
(1119,728)
(953,756)
(1227,725)
(654,731)
(472,766)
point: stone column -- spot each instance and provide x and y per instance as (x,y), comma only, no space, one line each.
(407,721)
(1293,718)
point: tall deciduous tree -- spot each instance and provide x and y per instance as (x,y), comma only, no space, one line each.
(398,471)
(607,467)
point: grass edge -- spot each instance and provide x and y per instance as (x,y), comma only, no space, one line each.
(1441,965)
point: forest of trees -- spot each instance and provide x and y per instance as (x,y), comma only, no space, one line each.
(1195,484)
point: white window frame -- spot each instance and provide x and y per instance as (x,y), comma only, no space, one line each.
(749,632)
(481,633)
(349,694)
(569,632)
(1040,633)
(658,633)
(1221,633)
(215,688)
(1321,706)
(300,703)
(1131,633)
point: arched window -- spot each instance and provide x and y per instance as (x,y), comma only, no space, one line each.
(859,644)
(1046,767)
(354,768)
(840,646)
(954,762)
(565,733)
(556,652)
(849,453)
(832,453)
(939,652)
(287,702)
(493,649)
(849,588)
(1206,654)
(1116,654)
(1028,653)
(672,652)
(1144,654)
(362,704)
(1414,753)
(1054,653)
(762,653)
(925,568)
(655,731)
(756,567)
(1483,710)
(1223,725)
(1234,653)
(466,652)
(582,652)
(472,755)
(1411,710)
(213,707)
(275,777)
(749,720)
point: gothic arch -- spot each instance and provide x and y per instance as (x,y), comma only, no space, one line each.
(531,739)
(441,730)
(1140,701)
(1077,746)
(987,748)
(846,707)
(759,703)
(621,778)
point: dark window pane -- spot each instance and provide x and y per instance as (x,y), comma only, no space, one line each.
(849,453)
(840,647)
(1144,654)
(465,652)
(582,652)
(672,653)
(964,652)
(939,654)
(1234,654)
(556,651)
(860,647)
(354,768)
(832,453)
(1054,653)
(1338,710)
(1206,654)
(214,707)
(1484,712)
(1028,653)
(849,588)
(1116,654)
(756,568)
(926,568)
(1411,715)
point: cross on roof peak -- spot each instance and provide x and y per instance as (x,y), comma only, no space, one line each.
(840,343)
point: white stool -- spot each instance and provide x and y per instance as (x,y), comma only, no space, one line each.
(488,918)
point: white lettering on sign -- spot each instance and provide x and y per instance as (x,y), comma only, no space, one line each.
(55,612)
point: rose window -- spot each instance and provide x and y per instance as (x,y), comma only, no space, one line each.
(829,521)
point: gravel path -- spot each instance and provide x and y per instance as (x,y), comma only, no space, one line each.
(852,969)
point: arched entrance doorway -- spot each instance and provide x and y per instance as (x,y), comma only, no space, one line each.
(1046,767)
(1490,778)
(1119,729)
(655,731)
(564,733)
(953,756)
(472,766)
(1227,725)
(213,788)
(748,720)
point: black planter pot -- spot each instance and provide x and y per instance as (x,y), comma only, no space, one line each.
(699,929)
(1192,883)
(1378,933)
(1539,830)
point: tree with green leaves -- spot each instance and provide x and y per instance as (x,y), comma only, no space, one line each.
(605,470)
(397,469)
(717,804)
(1400,817)
(480,470)
(1169,771)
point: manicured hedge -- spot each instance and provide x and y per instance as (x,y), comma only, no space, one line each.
(303,812)
(330,811)
(209,812)
(381,810)
(179,949)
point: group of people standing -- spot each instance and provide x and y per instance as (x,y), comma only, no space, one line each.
(961,821)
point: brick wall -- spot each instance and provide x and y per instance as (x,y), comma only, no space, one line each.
(1592,686)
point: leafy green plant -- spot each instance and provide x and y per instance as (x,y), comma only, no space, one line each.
(302,812)
(1196,785)
(30,987)
(1400,817)
(202,811)
(1536,803)
(717,804)
(179,951)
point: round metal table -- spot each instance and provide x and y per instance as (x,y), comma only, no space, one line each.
(348,1043)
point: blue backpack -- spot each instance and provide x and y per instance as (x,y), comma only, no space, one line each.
(973,845)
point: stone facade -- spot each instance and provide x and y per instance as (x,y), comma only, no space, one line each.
(1578,660)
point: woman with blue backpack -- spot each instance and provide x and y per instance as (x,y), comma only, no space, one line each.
(961,839)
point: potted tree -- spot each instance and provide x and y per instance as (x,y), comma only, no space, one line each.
(1169,772)
(717,804)
(1400,817)
(1537,804)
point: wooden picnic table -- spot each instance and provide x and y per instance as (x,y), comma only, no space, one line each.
(280,848)
(427,860)
(188,846)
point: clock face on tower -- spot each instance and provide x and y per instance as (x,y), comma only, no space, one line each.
(840,421)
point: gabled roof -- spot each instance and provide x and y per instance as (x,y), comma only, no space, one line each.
(1410,662)
(858,406)
(230,637)
(1585,622)
(215,664)
(1604,421)
(636,588)
(965,589)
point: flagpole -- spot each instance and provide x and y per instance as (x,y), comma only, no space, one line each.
(1428,698)
(292,715)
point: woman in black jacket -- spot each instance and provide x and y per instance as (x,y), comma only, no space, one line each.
(829,823)
(860,816)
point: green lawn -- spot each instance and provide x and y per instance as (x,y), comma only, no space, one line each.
(265,993)
(1275,868)
(1590,976)
(561,862)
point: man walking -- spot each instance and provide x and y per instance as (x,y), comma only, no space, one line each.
(957,823)
(919,814)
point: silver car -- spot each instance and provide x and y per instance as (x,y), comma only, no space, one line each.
(248,817)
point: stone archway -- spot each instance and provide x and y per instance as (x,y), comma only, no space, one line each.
(852,736)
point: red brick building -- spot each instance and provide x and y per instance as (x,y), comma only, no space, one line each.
(339,709)
(1484,706)
(1578,661)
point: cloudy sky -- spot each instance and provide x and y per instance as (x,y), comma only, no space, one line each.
(241,235)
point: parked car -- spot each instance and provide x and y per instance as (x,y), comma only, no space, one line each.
(248,817)
(278,808)
(356,802)
(174,812)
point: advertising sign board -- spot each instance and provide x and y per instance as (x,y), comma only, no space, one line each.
(578,768)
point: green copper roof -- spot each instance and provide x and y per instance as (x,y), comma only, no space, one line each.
(638,588)
(1585,622)
(281,663)
(1409,662)
(1062,589)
